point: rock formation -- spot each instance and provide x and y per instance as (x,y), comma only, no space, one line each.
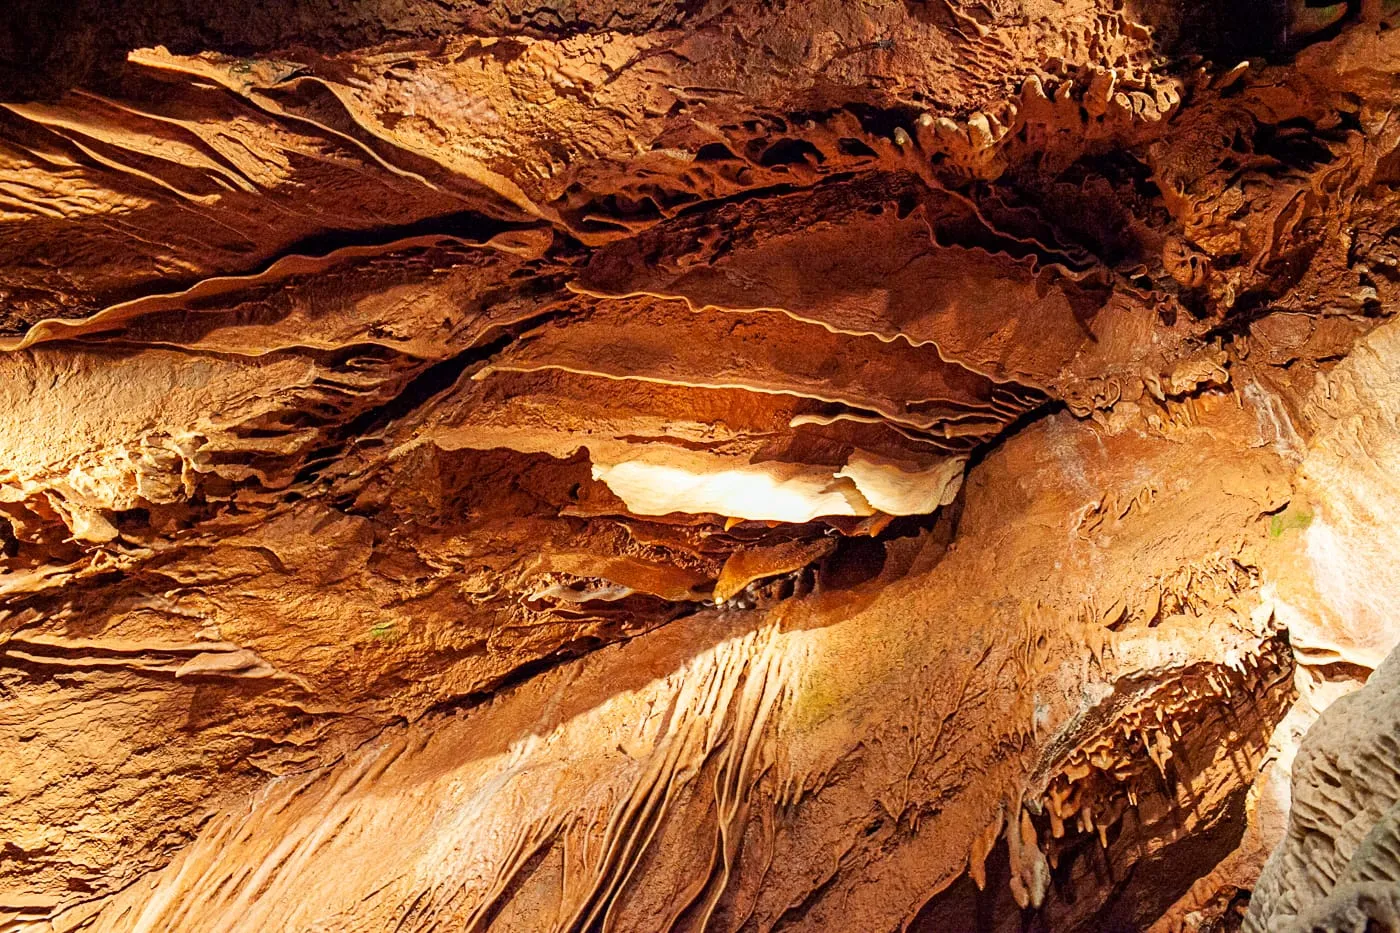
(892,465)
(1339,866)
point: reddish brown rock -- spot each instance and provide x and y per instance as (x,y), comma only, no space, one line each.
(686,466)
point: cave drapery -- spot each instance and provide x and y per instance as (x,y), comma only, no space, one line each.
(881,465)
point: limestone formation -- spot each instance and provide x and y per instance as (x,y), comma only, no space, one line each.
(1338,868)
(833,466)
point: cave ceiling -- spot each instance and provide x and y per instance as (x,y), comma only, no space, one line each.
(761,465)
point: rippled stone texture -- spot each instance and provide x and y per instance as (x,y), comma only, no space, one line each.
(821,466)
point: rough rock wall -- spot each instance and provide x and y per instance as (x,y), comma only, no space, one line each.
(1338,868)
(814,466)
(1329,581)
(831,761)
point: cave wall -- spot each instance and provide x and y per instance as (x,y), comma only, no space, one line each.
(1336,868)
(751,466)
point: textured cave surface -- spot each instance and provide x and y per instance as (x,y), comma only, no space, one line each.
(883,465)
(1338,867)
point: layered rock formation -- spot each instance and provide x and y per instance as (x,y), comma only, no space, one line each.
(652,466)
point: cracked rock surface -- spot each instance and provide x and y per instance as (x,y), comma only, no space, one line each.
(698,466)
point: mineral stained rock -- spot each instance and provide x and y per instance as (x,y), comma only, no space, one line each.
(647,466)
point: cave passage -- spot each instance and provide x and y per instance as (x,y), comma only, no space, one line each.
(699,466)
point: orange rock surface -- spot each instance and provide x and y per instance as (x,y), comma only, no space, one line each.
(693,466)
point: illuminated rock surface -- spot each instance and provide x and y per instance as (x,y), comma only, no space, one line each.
(753,466)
